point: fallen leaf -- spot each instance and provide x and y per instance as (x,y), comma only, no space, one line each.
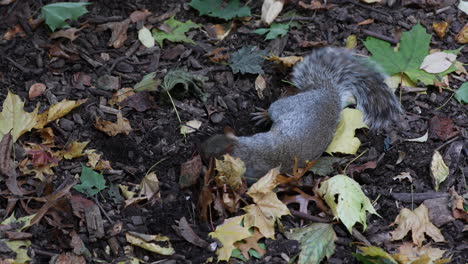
(190,127)
(138,15)
(217,55)
(260,85)
(286,61)
(443,127)
(366,22)
(271,10)
(151,242)
(57,111)
(346,200)
(312,44)
(408,253)
(190,172)
(419,139)
(121,126)
(438,62)
(91,182)
(251,243)
(462,36)
(141,101)
(403,176)
(149,190)
(230,172)
(439,171)
(119,32)
(228,233)
(317,242)
(315,5)
(219,31)
(373,254)
(14,119)
(6,2)
(145,37)
(69,33)
(15,31)
(441,28)
(344,140)
(174,30)
(463,6)
(120,96)
(148,83)
(185,230)
(351,42)
(20,248)
(359,168)
(418,223)
(67,258)
(36,90)
(74,150)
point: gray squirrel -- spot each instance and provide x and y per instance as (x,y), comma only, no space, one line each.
(304,124)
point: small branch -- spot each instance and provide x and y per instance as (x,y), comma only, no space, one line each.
(379,36)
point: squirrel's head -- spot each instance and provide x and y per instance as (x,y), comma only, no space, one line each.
(217,145)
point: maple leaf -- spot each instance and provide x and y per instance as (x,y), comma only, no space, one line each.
(248,59)
(215,8)
(344,140)
(346,200)
(57,111)
(408,253)
(121,126)
(418,223)
(174,30)
(230,172)
(228,233)
(56,14)
(13,118)
(317,242)
(251,243)
(74,150)
(372,254)
(274,31)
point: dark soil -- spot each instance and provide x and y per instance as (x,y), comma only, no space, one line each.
(156,139)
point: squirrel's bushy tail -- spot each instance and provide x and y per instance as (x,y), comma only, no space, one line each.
(349,75)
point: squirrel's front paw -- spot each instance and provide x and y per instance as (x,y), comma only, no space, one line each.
(261,116)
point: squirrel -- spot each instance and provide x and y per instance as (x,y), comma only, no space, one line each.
(304,124)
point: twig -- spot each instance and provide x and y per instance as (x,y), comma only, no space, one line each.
(379,36)
(446,143)
(309,217)
(297,18)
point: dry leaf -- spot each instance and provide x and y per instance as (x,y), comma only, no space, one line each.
(260,86)
(228,233)
(190,172)
(439,171)
(286,61)
(438,62)
(151,242)
(351,42)
(403,176)
(366,22)
(36,90)
(217,55)
(149,190)
(315,5)
(74,150)
(121,95)
(219,31)
(250,243)
(440,28)
(14,119)
(462,36)
(15,31)
(145,37)
(190,127)
(121,126)
(138,15)
(418,223)
(69,33)
(230,172)
(312,44)
(271,10)
(119,32)
(57,111)
(408,253)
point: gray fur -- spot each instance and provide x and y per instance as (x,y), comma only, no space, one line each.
(304,124)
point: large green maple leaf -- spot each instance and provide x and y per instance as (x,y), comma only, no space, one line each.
(216,8)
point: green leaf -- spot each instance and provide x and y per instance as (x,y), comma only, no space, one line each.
(187,80)
(317,242)
(274,31)
(91,182)
(247,60)
(346,200)
(214,8)
(324,165)
(148,83)
(175,32)
(414,47)
(56,14)
(461,94)
(374,255)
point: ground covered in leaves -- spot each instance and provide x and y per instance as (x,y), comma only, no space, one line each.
(96,221)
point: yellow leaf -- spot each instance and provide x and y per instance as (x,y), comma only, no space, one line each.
(407,253)
(121,126)
(57,111)
(150,242)
(377,253)
(13,117)
(149,189)
(286,61)
(265,184)
(20,247)
(439,171)
(230,171)
(344,140)
(74,150)
(228,233)
(351,42)
(418,223)
(121,95)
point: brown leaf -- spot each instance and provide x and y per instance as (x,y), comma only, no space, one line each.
(79,204)
(138,15)
(36,90)
(80,79)
(69,33)
(315,5)
(251,243)
(121,126)
(462,36)
(141,101)
(219,31)
(69,258)
(443,127)
(190,172)
(359,168)
(6,2)
(119,32)
(217,55)
(185,230)
(312,44)
(14,235)
(15,31)
(7,166)
(366,22)
(418,223)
